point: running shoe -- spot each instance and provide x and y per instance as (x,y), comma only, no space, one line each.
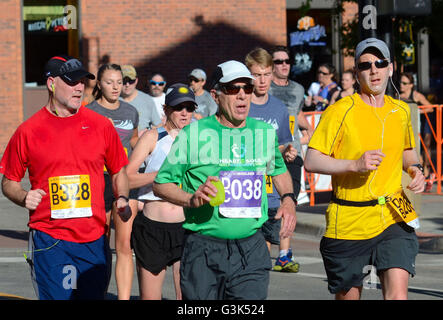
(284,264)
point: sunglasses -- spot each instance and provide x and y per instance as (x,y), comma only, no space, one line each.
(231,89)
(280,61)
(159,83)
(323,73)
(194,80)
(379,64)
(405,83)
(128,81)
(180,107)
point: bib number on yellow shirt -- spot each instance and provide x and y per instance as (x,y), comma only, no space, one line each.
(70,196)
(401,204)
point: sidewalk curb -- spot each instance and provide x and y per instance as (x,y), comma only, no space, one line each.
(310,229)
(430,243)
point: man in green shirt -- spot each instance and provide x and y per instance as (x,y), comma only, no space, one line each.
(225,255)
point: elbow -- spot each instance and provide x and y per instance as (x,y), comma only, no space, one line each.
(307,166)
(156,188)
(131,180)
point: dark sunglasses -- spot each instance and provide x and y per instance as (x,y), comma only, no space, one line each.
(405,83)
(180,107)
(280,61)
(159,83)
(128,81)
(323,73)
(194,80)
(233,89)
(379,64)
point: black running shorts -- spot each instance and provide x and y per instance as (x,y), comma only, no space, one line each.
(348,262)
(156,244)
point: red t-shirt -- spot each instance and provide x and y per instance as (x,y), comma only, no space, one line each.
(65,158)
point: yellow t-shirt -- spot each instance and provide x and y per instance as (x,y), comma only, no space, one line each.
(346,130)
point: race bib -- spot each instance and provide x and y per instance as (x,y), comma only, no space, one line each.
(268,184)
(292,124)
(405,210)
(243,193)
(70,197)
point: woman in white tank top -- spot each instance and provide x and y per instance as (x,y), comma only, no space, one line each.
(153,147)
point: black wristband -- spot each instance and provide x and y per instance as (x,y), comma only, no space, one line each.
(290,195)
(123,197)
(419,166)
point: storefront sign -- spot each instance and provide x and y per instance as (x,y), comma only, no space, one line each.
(51,23)
(309,33)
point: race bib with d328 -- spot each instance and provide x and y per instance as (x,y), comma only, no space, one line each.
(243,194)
(70,196)
(401,204)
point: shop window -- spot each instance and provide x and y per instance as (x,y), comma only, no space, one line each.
(310,43)
(50,28)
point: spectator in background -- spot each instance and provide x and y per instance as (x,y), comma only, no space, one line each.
(320,96)
(206,105)
(409,95)
(347,84)
(157,85)
(147,112)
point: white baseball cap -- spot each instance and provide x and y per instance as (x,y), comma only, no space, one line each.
(230,70)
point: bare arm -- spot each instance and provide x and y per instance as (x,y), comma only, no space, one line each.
(421,99)
(27,199)
(144,147)
(134,138)
(120,187)
(174,194)
(319,162)
(283,184)
(334,96)
(417,184)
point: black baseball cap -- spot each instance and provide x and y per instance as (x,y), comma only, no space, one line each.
(178,93)
(68,68)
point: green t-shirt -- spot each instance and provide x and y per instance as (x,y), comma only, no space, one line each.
(240,158)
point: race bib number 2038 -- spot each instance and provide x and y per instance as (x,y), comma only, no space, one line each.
(243,194)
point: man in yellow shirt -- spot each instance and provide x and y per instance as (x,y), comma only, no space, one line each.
(364,141)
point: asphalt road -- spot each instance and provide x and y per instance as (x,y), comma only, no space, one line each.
(308,284)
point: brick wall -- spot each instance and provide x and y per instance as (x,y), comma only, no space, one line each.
(173,37)
(11,77)
(168,36)
(351,10)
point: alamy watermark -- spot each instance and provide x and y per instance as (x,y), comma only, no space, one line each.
(370,281)
(70,20)
(70,280)
(226,147)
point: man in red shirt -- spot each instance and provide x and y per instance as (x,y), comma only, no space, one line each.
(64,147)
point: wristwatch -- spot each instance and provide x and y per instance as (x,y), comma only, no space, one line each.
(419,166)
(290,195)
